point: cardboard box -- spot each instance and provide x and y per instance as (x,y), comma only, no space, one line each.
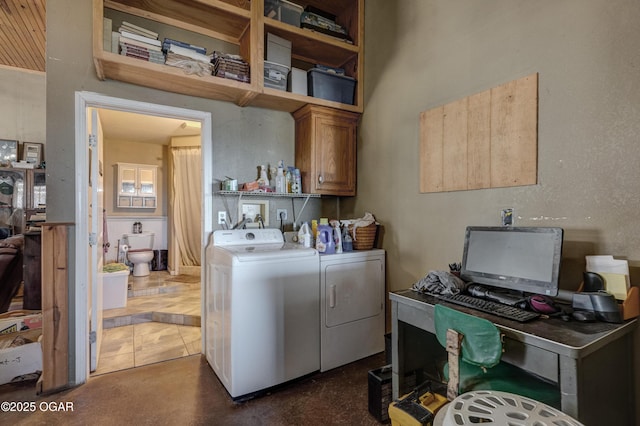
(14,321)
(278,50)
(297,82)
(16,361)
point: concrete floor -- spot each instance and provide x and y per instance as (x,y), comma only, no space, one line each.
(186,391)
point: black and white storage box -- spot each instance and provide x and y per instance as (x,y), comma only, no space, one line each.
(275,75)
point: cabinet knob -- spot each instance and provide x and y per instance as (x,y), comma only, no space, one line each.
(320,179)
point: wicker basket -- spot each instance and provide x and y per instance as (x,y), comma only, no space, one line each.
(364,236)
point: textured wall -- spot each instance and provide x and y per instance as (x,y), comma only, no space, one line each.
(423,53)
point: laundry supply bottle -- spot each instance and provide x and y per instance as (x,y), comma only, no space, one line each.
(314,232)
(347,241)
(337,236)
(324,240)
(304,235)
(281,180)
(263,181)
(298,181)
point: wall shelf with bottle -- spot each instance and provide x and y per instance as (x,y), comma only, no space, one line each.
(242,24)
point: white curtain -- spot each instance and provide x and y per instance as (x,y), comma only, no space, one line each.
(187,203)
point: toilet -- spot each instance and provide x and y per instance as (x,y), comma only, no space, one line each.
(140,252)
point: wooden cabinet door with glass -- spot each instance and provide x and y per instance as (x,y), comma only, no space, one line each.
(136,185)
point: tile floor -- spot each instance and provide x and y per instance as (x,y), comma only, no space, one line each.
(160,322)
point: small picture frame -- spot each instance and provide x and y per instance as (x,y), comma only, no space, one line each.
(32,152)
(8,151)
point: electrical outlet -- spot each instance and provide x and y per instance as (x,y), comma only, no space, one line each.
(282,214)
(222,217)
(506,216)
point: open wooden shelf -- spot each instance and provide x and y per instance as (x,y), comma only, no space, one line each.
(240,23)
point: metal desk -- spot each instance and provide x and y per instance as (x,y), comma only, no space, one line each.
(592,363)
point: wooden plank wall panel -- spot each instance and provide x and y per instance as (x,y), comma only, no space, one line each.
(454,146)
(487,140)
(514,124)
(479,141)
(55,312)
(431,140)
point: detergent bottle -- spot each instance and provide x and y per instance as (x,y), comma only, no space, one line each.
(324,240)
(304,235)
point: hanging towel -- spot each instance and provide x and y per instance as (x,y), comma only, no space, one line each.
(105,235)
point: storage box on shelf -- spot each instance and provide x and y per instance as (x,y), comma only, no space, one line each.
(275,75)
(333,87)
(241,23)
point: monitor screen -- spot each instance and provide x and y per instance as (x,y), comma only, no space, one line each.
(523,259)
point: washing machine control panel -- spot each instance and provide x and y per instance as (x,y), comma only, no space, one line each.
(246,236)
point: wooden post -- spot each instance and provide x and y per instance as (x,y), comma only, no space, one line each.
(55,308)
(454,342)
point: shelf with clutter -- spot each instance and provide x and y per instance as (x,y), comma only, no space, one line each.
(240,28)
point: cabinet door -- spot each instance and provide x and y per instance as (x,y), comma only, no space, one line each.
(126,180)
(335,156)
(326,150)
(147,181)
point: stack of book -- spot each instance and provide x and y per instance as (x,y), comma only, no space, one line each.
(230,66)
(193,59)
(140,43)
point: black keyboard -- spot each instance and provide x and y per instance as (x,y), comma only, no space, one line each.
(490,307)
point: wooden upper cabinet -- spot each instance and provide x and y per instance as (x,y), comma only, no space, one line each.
(326,150)
(241,23)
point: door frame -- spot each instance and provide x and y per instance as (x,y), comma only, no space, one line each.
(80,292)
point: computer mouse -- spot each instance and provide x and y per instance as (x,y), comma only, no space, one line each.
(542,304)
(584,316)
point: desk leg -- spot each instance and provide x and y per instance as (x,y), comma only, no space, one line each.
(569,386)
(395,358)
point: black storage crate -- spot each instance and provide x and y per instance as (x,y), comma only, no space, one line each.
(159,261)
(380,393)
(329,86)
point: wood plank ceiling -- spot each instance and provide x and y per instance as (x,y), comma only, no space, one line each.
(23,34)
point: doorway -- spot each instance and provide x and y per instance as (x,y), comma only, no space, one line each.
(83,297)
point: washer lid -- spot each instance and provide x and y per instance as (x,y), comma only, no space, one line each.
(258,252)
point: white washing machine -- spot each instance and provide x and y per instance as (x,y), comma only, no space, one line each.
(263,319)
(352,300)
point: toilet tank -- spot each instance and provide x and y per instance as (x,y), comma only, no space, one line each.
(143,240)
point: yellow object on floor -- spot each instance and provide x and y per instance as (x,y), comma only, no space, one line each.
(411,410)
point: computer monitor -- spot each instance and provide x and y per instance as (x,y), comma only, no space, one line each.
(522,259)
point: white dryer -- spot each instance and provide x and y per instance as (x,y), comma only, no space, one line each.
(352,301)
(262,325)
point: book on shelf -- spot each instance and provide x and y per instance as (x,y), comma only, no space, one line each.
(134,42)
(143,39)
(189,53)
(168,42)
(115,42)
(138,29)
(106,34)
